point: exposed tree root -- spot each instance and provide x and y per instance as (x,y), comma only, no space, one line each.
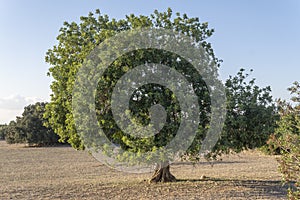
(162,174)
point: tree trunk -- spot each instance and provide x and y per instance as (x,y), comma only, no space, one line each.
(162,174)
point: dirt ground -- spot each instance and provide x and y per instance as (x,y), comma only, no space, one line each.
(63,173)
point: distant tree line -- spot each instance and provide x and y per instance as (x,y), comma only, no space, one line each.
(29,128)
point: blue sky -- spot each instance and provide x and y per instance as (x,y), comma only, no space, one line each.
(253,34)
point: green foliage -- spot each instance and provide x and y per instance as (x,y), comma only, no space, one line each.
(76,41)
(287,139)
(14,133)
(251,115)
(30,129)
(3,131)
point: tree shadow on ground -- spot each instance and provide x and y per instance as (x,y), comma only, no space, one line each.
(265,188)
(218,162)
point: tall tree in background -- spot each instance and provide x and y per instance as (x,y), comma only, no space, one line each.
(251,114)
(77,40)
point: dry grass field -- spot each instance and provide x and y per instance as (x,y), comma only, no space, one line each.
(63,173)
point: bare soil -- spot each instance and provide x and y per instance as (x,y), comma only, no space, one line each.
(63,173)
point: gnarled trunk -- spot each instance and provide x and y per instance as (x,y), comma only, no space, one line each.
(162,174)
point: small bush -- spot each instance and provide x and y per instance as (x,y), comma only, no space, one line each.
(287,139)
(290,163)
